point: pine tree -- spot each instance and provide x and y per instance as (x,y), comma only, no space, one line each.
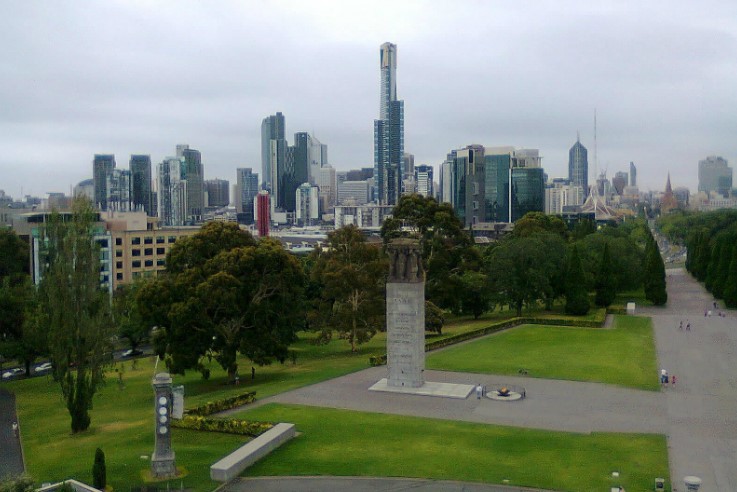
(724,260)
(605,289)
(577,298)
(99,472)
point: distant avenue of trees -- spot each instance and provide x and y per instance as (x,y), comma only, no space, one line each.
(710,239)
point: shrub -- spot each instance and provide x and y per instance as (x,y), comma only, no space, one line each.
(212,407)
(228,426)
(99,473)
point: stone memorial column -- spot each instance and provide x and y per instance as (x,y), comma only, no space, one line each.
(162,461)
(405,315)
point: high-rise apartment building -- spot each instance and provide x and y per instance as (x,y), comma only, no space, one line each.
(273,148)
(218,192)
(578,165)
(195,176)
(119,191)
(102,168)
(140,168)
(247,187)
(715,175)
(424,180)
(388,132)
(172,192)
(619,182)
(354,192)
(263,213)
(328,189)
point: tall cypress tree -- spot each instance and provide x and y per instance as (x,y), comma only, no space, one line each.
(723,263)
(655,288)
(577,299)
(712,269)
(605,288)
(99,471)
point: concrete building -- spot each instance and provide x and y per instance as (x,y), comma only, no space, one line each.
(139,245)
(559,195)
(353,192)
(388,132)
(263,213)
(369,217)
(328,189)
(715,175)
(308,205)
(84,188)
(217,192)
(424,180)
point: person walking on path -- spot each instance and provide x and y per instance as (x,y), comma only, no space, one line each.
(15,429)
(688,326)
(673,381)
(479,391)
(680,325)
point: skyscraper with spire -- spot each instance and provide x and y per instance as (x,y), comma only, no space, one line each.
(578,166)
(388,132)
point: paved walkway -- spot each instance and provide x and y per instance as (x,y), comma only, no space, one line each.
(11,457)
(698,415)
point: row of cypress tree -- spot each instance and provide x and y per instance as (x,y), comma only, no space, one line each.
(712,259)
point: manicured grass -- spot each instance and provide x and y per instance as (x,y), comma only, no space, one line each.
(121,417)
(348,443)
(624,355)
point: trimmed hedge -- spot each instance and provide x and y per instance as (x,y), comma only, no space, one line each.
(221,405)
(380,360)
(231,426)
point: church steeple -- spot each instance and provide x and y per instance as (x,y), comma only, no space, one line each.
(668,202)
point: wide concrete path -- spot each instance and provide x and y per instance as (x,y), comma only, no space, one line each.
(699,414)
(702,408)
(11,456)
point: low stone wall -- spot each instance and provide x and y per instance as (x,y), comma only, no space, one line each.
(232,465)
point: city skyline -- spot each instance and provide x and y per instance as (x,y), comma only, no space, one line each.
(92,78)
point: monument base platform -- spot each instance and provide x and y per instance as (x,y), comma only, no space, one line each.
(443,390)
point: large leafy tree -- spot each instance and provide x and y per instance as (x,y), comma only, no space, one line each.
(226,294)
(127,315)
(520,271)
(351,274)
(447,249)
(75,310)
(538,222)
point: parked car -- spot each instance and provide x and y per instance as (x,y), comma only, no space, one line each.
(15,372)
(43,368)
(131,353)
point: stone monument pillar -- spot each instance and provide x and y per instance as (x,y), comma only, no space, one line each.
(162,461)
(405,315)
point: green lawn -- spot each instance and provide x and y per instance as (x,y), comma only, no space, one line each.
(624,355)
(347,443)
(121,417)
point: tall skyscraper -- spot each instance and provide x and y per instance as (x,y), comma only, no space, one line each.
(247,187)
(172,192)
(512,177)
(619,181)
(273,147)
(102,168)
(715,175)
(388,132)
(195,176)
(633,174)
(140,168)
(263,211)
(119,190)
(578,166)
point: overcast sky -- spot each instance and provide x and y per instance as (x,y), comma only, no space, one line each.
(79,78)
